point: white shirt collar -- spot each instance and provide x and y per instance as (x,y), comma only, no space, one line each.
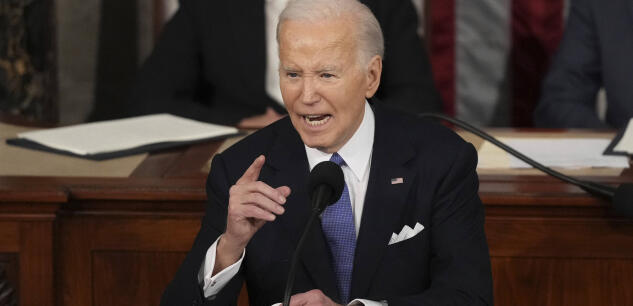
(356,152)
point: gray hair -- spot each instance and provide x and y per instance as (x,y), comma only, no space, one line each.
(368,32)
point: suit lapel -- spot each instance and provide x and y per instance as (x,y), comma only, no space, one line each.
(384,203)
(249,41)
(289,159)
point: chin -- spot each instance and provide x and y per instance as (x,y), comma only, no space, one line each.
(311,142)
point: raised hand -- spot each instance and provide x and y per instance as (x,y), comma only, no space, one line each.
(252,203)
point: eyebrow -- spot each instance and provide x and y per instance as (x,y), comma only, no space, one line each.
(286,68)
(327,69)
(321,70)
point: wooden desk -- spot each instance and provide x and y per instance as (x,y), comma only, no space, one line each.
(118,241)
(98,241)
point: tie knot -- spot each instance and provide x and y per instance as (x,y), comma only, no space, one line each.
(337,159)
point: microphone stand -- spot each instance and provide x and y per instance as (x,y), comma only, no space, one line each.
(316,210)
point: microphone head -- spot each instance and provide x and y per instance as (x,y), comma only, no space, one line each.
(623,200)
(326,178)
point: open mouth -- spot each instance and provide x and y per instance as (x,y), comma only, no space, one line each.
(316,120)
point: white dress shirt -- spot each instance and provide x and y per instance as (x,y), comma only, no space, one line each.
(357,156)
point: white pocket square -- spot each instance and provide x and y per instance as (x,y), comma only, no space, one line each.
(406,233)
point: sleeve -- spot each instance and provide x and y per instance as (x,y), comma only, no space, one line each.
(568,98)
(407,80)
(185,288)
(460,263)
(172,80)
(213,284)
(362,302)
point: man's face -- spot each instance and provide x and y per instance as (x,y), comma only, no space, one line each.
(322,85)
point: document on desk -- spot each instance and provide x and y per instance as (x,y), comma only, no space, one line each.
(115,138)
(569,153)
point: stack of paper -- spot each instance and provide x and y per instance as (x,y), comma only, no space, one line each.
(106,139)
(569,153)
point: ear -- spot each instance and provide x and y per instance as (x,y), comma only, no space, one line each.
(374,70)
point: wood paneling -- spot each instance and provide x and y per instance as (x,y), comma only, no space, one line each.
(560,237)
(9,237)
(36,263)
(562,281)
(26,244)
(128,244)
(132,278)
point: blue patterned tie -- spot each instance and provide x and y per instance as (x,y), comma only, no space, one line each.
(338,226)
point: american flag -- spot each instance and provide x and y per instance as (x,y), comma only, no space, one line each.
(397,180)
(490,56)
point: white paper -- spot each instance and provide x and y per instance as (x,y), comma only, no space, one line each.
(626,142)
(122,134)
(569,153)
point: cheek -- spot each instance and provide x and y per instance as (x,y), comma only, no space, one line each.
(335,94)
(289,94)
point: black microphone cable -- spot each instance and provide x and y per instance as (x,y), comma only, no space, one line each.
(601,190)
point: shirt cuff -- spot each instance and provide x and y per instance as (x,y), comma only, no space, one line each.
(211,285)
(358,302)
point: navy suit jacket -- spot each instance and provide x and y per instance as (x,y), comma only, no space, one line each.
(596,51)
(210,63)
(446,264)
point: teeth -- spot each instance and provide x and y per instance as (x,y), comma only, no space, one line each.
(311,119)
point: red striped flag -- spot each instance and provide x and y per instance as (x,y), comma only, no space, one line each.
(490,56)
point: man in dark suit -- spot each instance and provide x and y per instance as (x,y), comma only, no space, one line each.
(210,64)
(595,52)
(408,228)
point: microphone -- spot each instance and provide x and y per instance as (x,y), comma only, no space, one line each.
(325,186)
(620,197)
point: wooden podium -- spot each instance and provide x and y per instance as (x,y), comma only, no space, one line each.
(119,241)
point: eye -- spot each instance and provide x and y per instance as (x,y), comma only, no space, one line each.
(327,75)
(292,74)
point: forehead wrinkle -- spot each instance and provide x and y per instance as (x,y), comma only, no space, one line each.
(342,45)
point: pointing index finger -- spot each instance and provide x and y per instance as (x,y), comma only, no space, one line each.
(252,173)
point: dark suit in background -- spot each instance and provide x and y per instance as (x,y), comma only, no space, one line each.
(596,51)
(210,63)
(446,264)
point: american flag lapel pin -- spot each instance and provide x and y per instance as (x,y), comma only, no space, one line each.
(397,180)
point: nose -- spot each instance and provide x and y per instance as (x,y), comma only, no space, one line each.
(309,92)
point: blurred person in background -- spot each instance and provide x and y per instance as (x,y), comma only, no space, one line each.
(595,52)
(216,61)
